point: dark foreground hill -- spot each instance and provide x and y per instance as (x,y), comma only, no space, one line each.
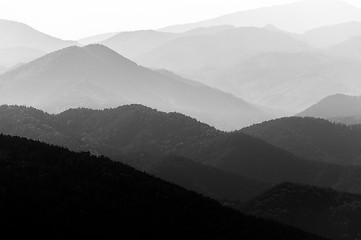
(148,135)
(336,215)
(48,191)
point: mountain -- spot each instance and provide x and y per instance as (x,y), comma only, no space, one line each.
(207,30)
(134,44)
(15,55)
(289,81)
(325,212)
(97,77)
(96,38)
(304,15)
(338,105)
(137,43)
(203,54)
(50,191)
(146,135)
(15,34)
(327,36)
(315,139)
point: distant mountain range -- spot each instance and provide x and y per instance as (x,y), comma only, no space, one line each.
(20,43)
(199,53)
(96,77)
(264,66)
(325,212)
(294,17)
(334,106)
(327,36)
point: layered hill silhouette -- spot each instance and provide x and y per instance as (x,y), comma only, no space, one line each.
(20,43)
(328,36)
(16,34)
(290,81)
(96,77)
(264,66)
(209,52)
(312,138)
(307,13)
(334,106)
(50,191)
(328,213)
(147,135)
(137,43)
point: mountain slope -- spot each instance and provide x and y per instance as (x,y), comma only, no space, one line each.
(304,15)
(96,77)
(311,138)
(327,36)
(211,52)
(48,190)
(338,105)
(15,34)
(328,213)
(140,132)
(290,81)
(137,43)
(133,44)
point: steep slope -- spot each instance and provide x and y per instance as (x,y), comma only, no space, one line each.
(311,138)
(211,52)
(50,191)
(328,213)
(327,36)
(290,81)
(294,17)
(141,132)
(15,34)
(338,105)
(96,77)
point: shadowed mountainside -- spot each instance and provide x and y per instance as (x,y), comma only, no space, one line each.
(47,190)
(328,213)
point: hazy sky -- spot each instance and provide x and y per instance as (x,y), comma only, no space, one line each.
(73,19)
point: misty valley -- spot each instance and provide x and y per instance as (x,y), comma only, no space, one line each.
(243,126)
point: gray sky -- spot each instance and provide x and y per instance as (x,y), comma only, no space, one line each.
(73,19)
